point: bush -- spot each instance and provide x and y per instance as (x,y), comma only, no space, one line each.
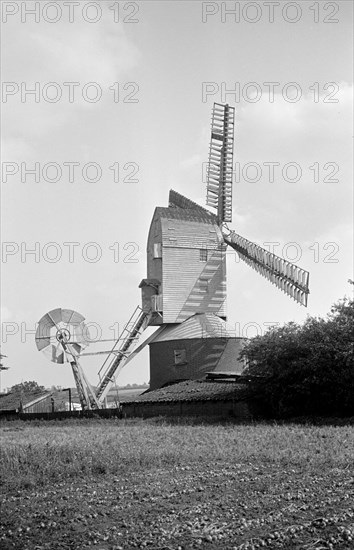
(306,369)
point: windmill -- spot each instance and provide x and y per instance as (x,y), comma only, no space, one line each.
(184,293)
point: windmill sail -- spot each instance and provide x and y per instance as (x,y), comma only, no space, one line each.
(220,166)
(290,278)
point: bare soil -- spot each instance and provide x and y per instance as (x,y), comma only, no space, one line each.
(215,506)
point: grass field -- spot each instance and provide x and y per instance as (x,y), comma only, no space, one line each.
(151,484)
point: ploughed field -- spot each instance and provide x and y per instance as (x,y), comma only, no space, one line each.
(115,484)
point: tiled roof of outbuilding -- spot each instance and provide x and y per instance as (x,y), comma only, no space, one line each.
(197,390)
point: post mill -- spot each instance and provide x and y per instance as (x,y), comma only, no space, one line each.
(184,293)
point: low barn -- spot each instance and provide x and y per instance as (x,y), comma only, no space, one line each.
(222,397)
(29,402)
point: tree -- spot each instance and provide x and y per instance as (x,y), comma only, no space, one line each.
(27,387)
(308,369)
(2,366)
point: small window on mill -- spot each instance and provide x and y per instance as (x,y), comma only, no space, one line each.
(157,250)
(180,356)
(203,255)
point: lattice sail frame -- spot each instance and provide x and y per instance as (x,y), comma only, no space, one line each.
(290,278)
(220,166)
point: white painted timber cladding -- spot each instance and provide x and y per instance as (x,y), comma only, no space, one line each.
(189,234)
(180,267)
(182,295)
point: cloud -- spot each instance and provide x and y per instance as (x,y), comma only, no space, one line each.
(6,314)
(283,129)
(194,160)
(304,133)
(65,51)
(61,53)
(91,54)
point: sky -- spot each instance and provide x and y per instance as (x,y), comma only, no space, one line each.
(122,94)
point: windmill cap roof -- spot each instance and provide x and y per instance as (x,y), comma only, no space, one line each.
(200,325)
(186,214)
(180,201)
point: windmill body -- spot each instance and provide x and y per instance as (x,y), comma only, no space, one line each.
(186,263)
(185,288)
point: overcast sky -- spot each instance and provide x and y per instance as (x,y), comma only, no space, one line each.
(139,94)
